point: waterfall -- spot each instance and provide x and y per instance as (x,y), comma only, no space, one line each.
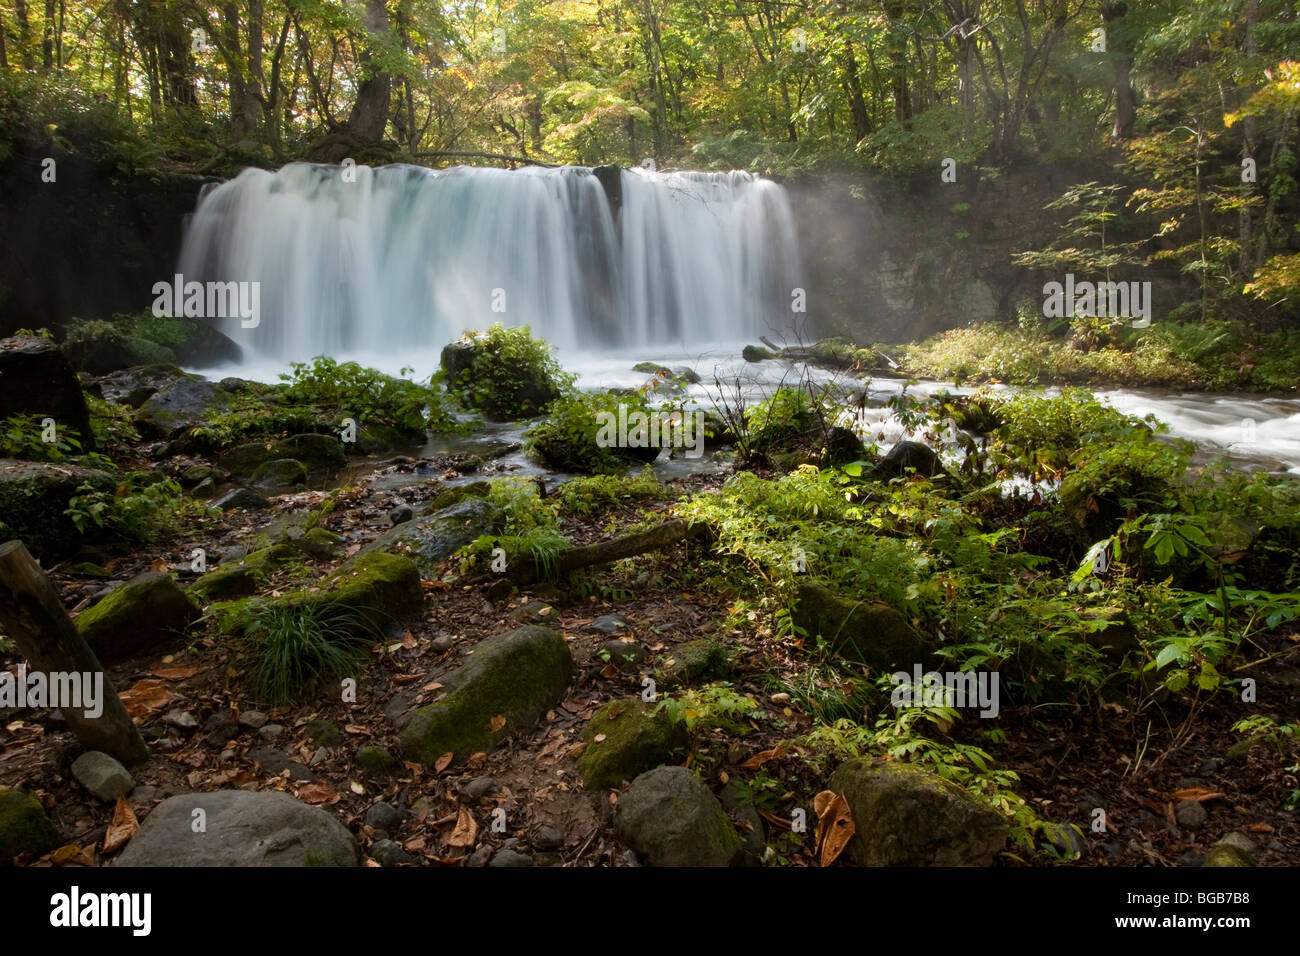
(401,259)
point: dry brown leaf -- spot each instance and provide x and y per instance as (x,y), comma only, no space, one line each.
(599,738)
(1260,828)
(1199,794)
(443,762)
(496,723)
(316,793)
(145,697)
(158,566)
(609,672)
(835,825)
(356,729)
(122,828)
(476,759)
(466,830)
(573,706)
(175,673)
(762,757)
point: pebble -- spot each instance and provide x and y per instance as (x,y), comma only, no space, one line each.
(388,853)
(252,719)
(383,816)
(478,788)
(548,839)
(442,643)
(508,857)
(271,731)
(1190,814)
(401,514)
(180,718)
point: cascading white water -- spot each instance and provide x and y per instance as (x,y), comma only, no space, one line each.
(402,259)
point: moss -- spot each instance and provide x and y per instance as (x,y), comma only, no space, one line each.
(34,497)
(634,738)
(374,761)
(516,676)
(24,827)
(454,496)
(862,632)
(242,578)
(695,661)
(137,617)
(387,583)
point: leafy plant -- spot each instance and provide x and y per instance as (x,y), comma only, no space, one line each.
(369,396)
(296,644)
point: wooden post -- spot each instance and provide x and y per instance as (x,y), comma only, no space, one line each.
(34,619)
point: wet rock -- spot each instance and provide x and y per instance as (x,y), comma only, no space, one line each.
(1190,814)
(37,379)
(401,514)
(627,656)
(508,857)
(431,539)
(281,474)
(241,498)
(384,816)
(220,729)
(547,839)
(607,624)
(276,762)
(34,499)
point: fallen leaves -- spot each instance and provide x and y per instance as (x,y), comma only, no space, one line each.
(443,762)
(835,825)
(122,828)
(1199,794)
(763,756)
(317,793)
(465,833)
(145,697)
(496,723)
(175,673)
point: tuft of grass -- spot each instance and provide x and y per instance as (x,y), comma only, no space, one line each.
(297,644)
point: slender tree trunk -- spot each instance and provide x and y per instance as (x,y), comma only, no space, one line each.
(1119,48)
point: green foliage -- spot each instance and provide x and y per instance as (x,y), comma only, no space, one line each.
(588,494)
(144,506)
(715,705)
(531,528)
(568,439)
(23,437)
(367,395)
(296,644)
(111,423)
(788,414)
(512,373)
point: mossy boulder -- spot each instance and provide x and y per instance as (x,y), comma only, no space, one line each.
(318,454)
(319,543)
(494,373)
(695,661)
(907,458)
(454,496)
(387,584)
(142,616)
(756,353)
(181,404)
(904,815)
(670,818)
(24,826)
(507,684)
(280,474)
(625,739)
(432,538)
(34,497)
(376,761)
(862,632)
(240,578)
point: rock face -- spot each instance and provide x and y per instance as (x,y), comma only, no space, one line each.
(102,775)
(671,819)
(864,632)
(432,538)
(145,613)
(625,739)
(24,826)
(33,498)
(37,379)
(508,683)
(242,829)
(906,816)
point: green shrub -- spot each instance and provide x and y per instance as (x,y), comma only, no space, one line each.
(567,439)
(504,373)
(589,494)
(23,437)
(296,644)
(144,506)
(367,395)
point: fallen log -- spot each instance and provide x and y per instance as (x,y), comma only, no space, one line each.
(34,619)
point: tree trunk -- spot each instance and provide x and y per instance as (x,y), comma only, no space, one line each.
(1119,48)
(34,619)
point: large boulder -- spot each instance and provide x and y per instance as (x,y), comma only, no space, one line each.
(625,739)
(279,475)
(318,454)
(507,684)
(99,347)
(34,498)
(24,826)
(496,383)
(183,403)
(904,815)
(908,457)
(432,538)
(670,818)
(240,828)
(242,578)
(142,616)
(37,379)
(863,632)
(135,386)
